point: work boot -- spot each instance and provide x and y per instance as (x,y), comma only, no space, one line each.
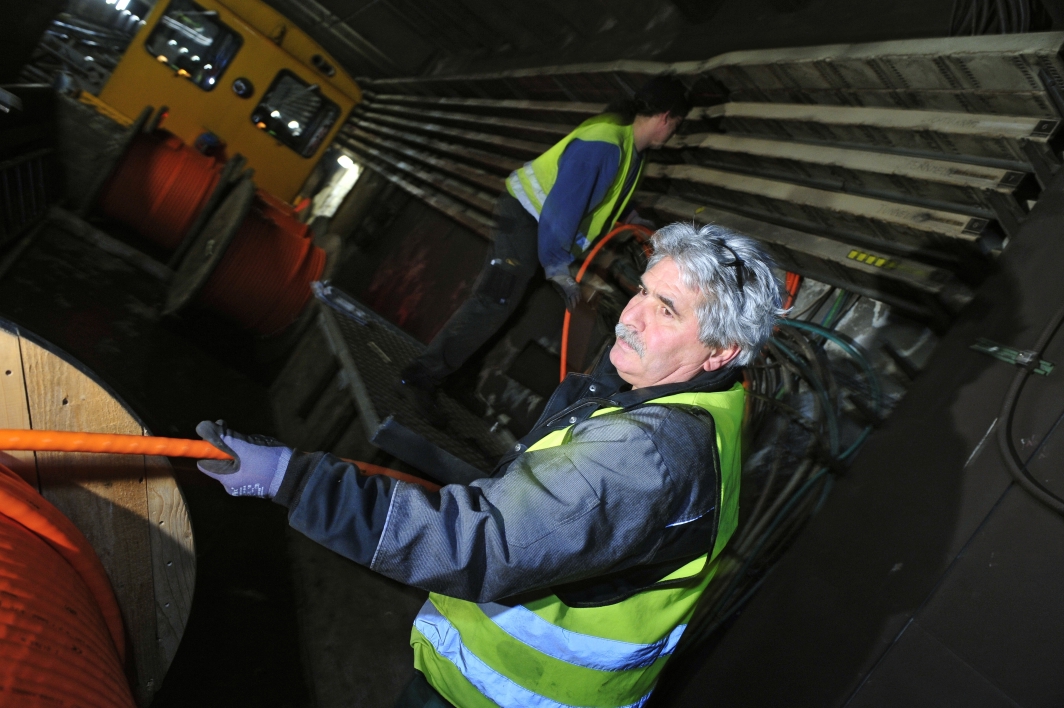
(421,390)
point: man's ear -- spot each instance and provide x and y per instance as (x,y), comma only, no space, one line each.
(720,357)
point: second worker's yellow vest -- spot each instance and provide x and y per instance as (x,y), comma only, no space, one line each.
(531,183)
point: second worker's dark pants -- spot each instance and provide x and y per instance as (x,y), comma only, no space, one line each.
(510,265)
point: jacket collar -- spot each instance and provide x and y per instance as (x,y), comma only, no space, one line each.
(625,397)
(580,395)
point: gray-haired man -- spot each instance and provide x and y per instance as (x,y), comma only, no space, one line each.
(568,576)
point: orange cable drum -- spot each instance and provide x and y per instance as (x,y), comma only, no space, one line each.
(263,280)
(61,637)
(160,187)
(283,213)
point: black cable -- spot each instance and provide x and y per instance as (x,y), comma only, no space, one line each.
(813,354)
(777,460)
(790,373)
(789,411)
(1004,12)
(958,27)
(815,307)
(980,16)
(1008,409)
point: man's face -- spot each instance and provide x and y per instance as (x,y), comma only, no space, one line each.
(657,337)
(665,126)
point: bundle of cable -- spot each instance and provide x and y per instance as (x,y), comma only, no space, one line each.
(263,281)
(61,636)
(160,187)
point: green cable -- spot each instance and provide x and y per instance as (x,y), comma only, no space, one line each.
(857,443)
(834,309)
(833,425)
(854,353)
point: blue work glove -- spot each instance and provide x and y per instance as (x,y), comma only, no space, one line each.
(258,463)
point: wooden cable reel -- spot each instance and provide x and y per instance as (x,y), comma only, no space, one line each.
(129,507)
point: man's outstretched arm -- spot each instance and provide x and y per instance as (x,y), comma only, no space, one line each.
(556,515)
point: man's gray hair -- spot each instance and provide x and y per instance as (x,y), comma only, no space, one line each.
(740,296)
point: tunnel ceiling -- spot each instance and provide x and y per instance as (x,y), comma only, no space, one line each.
(395,38)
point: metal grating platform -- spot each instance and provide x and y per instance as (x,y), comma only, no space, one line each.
(372,352)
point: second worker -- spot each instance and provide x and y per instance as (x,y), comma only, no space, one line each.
(553,208)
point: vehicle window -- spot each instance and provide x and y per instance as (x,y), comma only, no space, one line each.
(296,113)
(194,43)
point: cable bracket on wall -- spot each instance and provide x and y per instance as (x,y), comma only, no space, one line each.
(1023,358)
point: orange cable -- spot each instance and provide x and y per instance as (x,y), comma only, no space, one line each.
(640,232)
(370,470)
(160,187)
(792,284)
(115,443)
(61,636)
(118,444)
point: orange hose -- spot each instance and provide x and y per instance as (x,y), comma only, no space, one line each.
(792,285)
(59,441)
(117,444)
(61,636)
(370,470)
(640,232)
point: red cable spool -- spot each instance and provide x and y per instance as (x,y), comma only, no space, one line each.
(283,213)
(160,187)
(61,635)
(263,280)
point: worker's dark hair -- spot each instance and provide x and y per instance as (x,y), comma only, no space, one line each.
(662,94)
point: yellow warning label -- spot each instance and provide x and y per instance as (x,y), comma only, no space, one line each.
(871,259)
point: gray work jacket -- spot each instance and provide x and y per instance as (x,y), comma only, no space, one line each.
(594,520)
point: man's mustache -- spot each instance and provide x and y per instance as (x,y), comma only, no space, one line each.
(630,338)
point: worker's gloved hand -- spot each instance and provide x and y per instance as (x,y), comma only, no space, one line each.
(568,289)
(258,463)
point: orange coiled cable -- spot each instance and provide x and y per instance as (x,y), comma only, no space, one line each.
(263,281)
(160,187)
(61,636)
(791,285)
(284,214)
(641,232)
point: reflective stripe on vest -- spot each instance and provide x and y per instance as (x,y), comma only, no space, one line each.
(545,653)
(531,183)
(491,684)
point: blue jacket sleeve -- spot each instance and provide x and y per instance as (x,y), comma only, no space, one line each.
(556,515)
(585,171)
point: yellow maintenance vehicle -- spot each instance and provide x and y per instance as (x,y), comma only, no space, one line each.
(241,74)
